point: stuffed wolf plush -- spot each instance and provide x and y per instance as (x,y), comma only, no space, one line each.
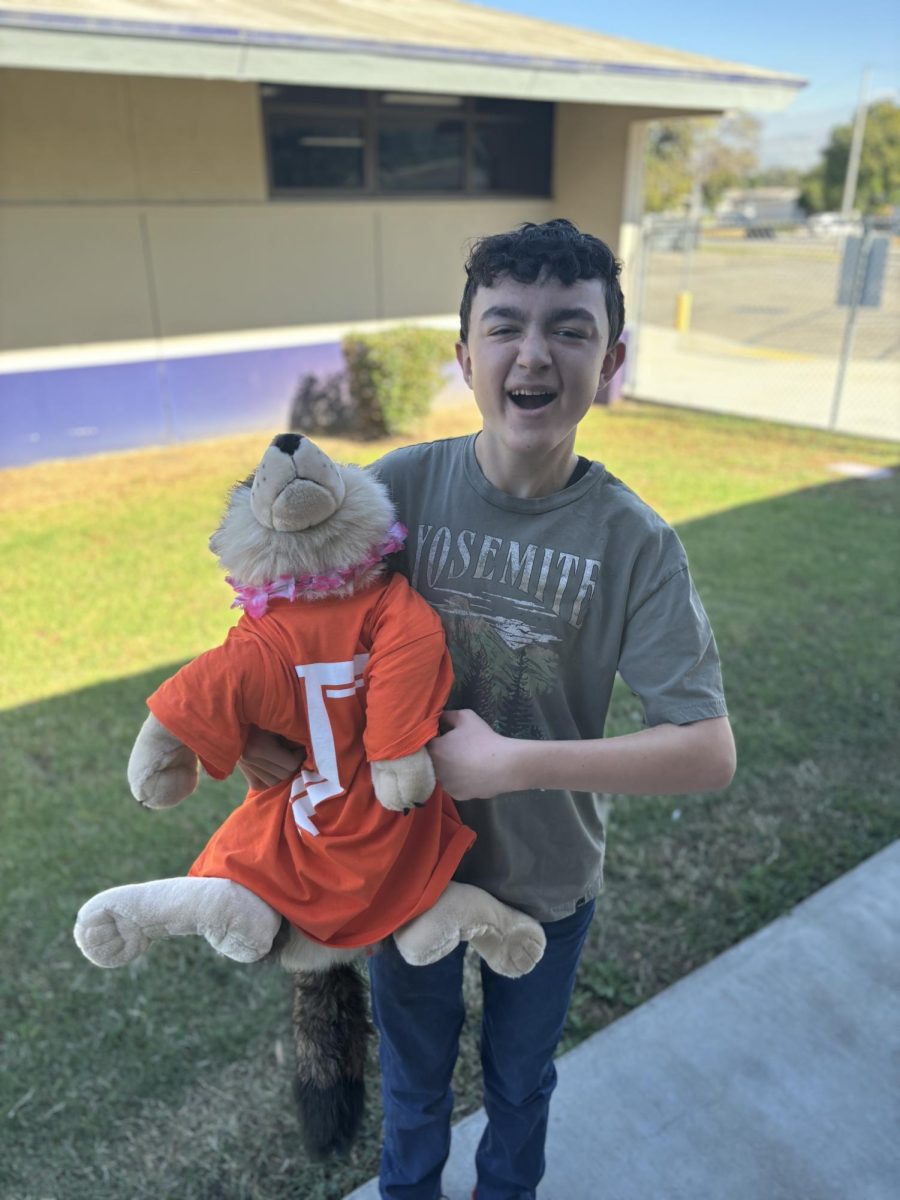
(360,844)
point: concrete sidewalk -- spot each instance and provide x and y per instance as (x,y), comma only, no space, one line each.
(772,1073)
(697,370)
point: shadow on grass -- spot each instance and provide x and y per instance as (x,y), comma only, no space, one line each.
(171,1077)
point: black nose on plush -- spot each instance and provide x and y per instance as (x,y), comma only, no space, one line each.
(288,442)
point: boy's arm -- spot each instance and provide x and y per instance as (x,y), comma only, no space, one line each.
(471,760)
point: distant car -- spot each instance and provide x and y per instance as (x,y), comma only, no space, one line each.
(833,224)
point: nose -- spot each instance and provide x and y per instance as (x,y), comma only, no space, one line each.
(534,351)
(287,442)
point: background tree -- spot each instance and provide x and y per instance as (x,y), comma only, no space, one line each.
(878,184)
(709,154)
(776,177)
(728,154)
(668,176)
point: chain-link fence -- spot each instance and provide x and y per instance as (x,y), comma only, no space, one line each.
(792,323)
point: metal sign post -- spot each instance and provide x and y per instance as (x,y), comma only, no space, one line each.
(861,281)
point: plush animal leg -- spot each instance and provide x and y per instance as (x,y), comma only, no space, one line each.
(119,924)
(510,942)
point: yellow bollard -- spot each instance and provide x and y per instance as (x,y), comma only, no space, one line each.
(683,312)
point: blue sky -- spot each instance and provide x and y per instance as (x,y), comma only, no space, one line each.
(826,42)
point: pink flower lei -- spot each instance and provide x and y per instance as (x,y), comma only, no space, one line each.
(255,600)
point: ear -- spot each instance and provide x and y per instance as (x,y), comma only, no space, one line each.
(614,358)
(464,358)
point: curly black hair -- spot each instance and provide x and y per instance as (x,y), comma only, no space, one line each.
(557,247)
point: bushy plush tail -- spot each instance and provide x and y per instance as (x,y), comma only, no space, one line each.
(331,1034)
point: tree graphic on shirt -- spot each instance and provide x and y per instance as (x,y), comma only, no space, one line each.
(496,680)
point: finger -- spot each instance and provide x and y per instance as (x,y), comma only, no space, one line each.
(254,782)
(272,753)
(274,769)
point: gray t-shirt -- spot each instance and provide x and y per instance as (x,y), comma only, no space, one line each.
(543,600)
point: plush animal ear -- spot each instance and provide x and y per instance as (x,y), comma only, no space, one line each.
(296,485)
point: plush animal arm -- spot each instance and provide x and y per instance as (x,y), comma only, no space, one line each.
(403,783)
(162,771)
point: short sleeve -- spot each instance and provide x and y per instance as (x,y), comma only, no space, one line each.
(669,657)
(389,470)
(408,675)
(204,706)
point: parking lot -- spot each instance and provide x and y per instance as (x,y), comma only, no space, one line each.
(778,294)
(766,334)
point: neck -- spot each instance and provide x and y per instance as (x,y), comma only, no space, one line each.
(525,476)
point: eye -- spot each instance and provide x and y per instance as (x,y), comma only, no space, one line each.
(501,330)
(576,334)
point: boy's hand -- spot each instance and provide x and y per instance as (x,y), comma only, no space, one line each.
(268,759)
(470,759)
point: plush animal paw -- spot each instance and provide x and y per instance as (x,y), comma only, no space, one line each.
(509,941)
(106,936)
(119,924)
(514,951)
(404,783)
(162,771)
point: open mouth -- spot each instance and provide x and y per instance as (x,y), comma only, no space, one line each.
(529,399)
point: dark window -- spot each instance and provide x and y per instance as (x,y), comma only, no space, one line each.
(420,155)
(499,106)
(315,151)
(342,141)
(512,156)
(319,97)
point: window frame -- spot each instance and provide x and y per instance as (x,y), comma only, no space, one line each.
(368,112)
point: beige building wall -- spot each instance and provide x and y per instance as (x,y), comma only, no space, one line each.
(91,273)
(66,136)
(137,207)
(590,151)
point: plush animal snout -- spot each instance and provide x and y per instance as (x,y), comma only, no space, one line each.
(296,486)
(288,443)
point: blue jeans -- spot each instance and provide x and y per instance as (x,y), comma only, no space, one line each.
(419,1014)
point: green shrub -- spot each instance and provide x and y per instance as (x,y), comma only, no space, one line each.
(394,376)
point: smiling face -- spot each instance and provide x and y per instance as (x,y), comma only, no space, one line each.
(536,357)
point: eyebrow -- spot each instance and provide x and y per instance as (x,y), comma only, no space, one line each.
(558,314)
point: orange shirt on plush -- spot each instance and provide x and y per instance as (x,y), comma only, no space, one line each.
(351,679)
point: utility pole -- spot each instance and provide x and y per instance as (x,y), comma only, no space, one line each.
(684,298)
(856,145)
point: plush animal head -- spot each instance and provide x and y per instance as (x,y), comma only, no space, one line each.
(301,515)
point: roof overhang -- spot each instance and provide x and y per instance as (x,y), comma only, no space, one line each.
(56,41)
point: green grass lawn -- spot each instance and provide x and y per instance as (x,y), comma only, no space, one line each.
(171,1078)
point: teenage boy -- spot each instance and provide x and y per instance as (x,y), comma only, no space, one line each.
(550,576)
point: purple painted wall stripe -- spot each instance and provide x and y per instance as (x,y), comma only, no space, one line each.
(71,412)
